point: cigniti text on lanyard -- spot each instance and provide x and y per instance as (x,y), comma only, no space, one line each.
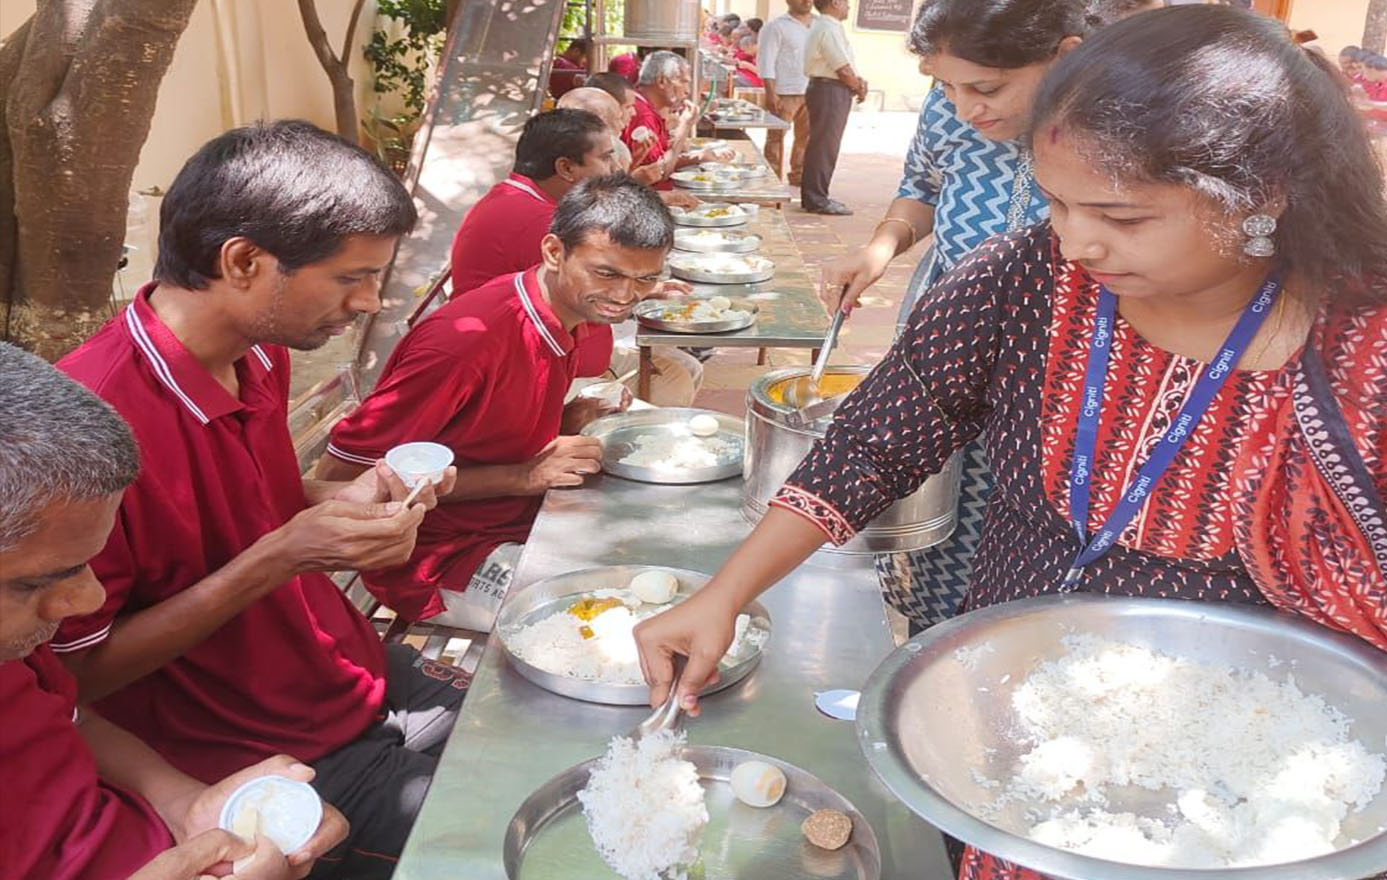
(1193,409)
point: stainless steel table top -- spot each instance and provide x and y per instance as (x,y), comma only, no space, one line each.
(512,736)
(790,316)
(761,120)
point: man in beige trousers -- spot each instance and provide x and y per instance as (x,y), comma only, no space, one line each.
(780,58)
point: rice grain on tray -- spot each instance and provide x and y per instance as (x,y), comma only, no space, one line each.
(644,807)
(1258,772)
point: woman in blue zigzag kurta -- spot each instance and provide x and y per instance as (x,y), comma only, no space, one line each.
(967,177)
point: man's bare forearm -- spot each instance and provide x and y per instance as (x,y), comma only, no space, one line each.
(122,759)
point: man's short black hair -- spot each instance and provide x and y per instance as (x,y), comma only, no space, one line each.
(579,43)
(613,84)
(290,187)
(629,212)
(554,135)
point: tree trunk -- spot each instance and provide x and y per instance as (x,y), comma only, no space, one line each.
(335,66)
(1375,27)
(79,81)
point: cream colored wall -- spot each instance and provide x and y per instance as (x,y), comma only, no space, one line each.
(238,61)
(1339,23)
(881,56)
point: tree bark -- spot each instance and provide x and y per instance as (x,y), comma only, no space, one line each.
(1375,27)
(77,111)
(335,66)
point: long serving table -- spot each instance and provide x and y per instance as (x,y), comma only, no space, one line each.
(790,316)
(828,631)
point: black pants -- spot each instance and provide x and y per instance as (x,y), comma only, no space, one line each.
(379,780)
(829,103)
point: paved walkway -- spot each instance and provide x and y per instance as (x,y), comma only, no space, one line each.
(865,181)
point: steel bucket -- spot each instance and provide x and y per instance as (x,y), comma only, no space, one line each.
(774,449)
(661,19)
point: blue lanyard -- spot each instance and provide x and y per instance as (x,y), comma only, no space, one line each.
(1090,411)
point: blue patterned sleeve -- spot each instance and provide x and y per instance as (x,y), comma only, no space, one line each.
(922,177)
(927,398)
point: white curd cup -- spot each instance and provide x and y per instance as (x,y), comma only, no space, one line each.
(419,462)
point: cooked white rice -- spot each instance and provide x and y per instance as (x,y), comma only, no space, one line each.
(1258,771)
(644,807)
(556,644)
(676,452)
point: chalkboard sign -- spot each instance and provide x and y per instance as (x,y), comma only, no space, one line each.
(885,15)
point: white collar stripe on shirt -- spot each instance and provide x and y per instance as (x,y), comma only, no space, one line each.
(78,644)
(534,315)
(157,362)
(524,188)
(347,456)
(264,358)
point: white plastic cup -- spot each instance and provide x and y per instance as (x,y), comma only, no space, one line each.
(418,462)
(610,393)
(285,810)
(750,208)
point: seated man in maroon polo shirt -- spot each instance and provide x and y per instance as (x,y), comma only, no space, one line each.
(88,801)
(657,151)
(221,640)
(486,375)
(501,234)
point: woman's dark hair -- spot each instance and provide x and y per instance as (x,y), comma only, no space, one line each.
(1220,100)
(553,135)
(754,25)
(629,212)
(997,33)
(295,190)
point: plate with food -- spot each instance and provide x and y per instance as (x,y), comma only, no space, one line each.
(707,181)
(739,170)
(572,634)
(1133,738)
(721,268)
(702,143)
(716,241)
(661,807)
(711,214)
(696,314)
(673,445)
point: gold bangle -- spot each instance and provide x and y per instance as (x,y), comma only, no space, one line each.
(910,227)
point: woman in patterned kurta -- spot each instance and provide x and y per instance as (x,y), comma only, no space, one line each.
(1276,497)
(967,177)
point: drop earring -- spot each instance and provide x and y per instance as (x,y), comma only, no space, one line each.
(1259,228)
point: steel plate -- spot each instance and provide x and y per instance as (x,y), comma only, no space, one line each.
(743,170)
(650,312)
(548,837)
(553,596)
(718,184)
(686,267)
(687,218)
(619,431)
(730,243)
(928,723)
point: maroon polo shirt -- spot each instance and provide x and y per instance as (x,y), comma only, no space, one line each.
(486,376)
(62,822)
(299,671)
(501,234)
(648,117)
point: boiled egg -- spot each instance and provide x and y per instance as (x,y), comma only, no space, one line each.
(654,587)
(703,425)
(758,784)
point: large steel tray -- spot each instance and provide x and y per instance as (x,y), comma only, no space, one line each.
(936,724)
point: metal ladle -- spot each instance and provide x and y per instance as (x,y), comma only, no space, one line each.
(668,715)
(804,392)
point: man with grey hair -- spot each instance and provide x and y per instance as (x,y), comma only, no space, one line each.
(98,803)
(656,150)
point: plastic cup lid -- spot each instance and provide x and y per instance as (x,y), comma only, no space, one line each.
(284,810)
